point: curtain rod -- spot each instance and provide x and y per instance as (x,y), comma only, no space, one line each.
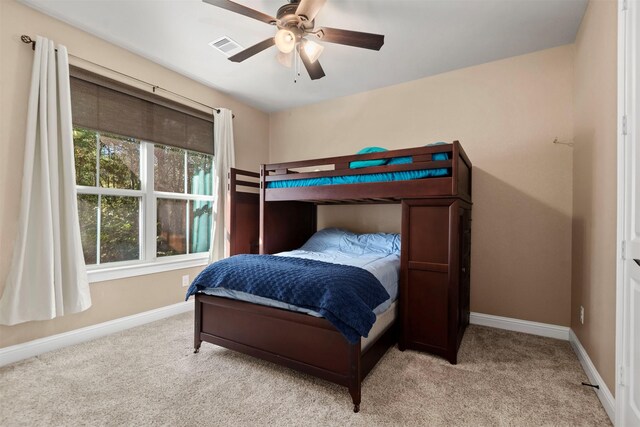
(28,40)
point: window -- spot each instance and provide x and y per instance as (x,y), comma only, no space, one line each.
(144,172)
(183,183)
(139,201)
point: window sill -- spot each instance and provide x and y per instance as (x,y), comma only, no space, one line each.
(142,269)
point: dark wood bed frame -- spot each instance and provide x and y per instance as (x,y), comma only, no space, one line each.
(286,218)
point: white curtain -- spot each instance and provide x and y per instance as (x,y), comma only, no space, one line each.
(47,277)
(224,156)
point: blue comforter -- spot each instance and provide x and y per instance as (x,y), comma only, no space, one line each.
(342,294)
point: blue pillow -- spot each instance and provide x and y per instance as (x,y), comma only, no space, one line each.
(366,163)
(409,159)
(362,244)
(323,240)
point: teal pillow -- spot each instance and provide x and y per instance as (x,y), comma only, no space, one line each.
(367,163)
(438,156)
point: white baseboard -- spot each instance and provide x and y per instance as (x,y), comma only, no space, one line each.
(603,393)
(22,351)
(517,325)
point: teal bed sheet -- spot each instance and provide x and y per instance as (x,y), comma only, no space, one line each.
(360,179)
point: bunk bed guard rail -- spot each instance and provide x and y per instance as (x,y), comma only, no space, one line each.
(456,182)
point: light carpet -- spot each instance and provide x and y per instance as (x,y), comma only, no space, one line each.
(150,376)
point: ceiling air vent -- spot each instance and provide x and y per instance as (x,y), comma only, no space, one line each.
(225,45)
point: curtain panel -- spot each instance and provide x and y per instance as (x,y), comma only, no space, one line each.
(47,277)
(224,160)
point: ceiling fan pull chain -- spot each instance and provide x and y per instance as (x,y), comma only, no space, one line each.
(296,67)
(298,57)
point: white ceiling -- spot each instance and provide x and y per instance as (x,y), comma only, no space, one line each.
(422,38)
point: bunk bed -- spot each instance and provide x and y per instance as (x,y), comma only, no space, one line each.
(433,185)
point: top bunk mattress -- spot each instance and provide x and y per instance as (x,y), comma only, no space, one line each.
(361,179)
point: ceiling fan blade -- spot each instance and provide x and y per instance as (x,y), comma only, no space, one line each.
(308,9)
(313,68)
(351,38)
(250,51)
(242,10)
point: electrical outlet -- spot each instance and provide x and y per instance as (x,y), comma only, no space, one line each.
(582,315)
(185,280)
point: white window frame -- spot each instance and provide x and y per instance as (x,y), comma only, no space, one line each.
(148,262)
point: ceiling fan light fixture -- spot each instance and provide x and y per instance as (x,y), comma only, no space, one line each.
(285,40)
(313,50)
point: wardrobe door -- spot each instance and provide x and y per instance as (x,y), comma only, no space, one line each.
(429,302)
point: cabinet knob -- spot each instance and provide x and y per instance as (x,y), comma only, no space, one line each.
(464,270)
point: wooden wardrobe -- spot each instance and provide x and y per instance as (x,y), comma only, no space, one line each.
(435,270)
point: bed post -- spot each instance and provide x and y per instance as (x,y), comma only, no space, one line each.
(197,341)
(355,378)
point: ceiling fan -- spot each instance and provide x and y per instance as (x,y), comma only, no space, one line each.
(295,21)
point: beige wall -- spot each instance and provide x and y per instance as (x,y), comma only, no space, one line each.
(506,114)
(594,177)
(119,297)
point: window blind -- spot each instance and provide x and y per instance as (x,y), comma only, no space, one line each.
(107,105)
